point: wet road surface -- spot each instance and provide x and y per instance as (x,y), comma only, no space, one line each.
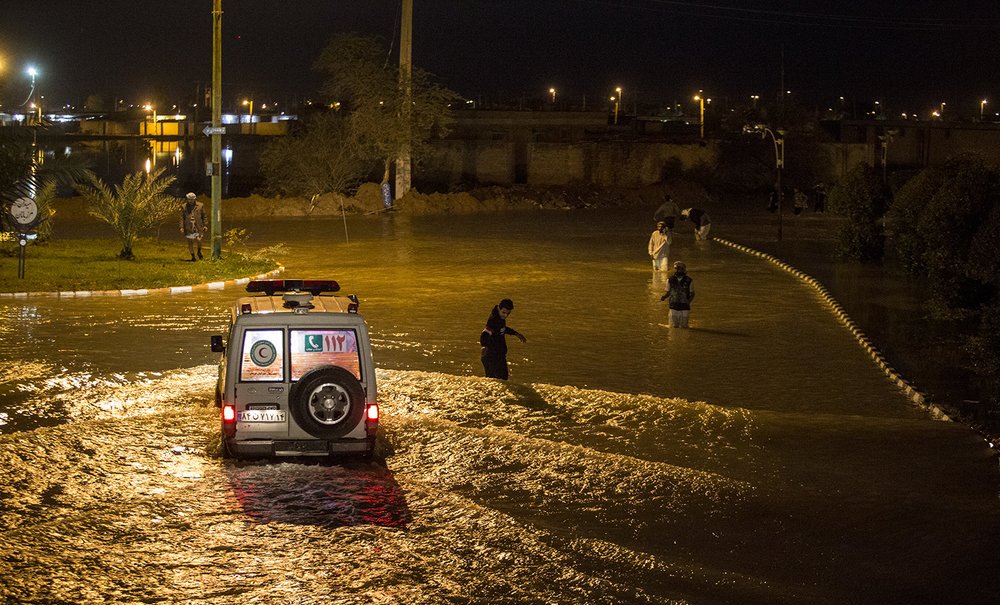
(759,457)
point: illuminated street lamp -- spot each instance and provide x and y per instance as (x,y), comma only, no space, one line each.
(249,102)
(778,137)
(31,71)
(982,108)
(149,107)
(621,96)
(552,92)
(754,99)
(701,111)
(615,101)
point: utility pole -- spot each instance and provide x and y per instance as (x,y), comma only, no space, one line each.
(216,219)
(405,73)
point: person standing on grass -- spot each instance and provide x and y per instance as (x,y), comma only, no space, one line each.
(680,291)
(494,342)
(194,224)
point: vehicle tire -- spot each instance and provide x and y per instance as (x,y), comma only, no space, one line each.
(227,452)
(327,402)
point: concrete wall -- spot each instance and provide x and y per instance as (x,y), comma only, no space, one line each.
(105,128)
(472,162)
(556,164)
(626,164)
(918,144)
(845,156)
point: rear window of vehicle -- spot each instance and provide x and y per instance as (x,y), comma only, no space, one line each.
(263,356)
(311,348)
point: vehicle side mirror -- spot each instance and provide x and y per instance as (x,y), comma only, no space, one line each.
(217,345)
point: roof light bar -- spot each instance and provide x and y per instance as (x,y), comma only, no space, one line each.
(313,286)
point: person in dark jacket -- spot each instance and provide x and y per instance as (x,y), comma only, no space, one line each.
(494,342)
(699,218)
(680,291)
(667,212)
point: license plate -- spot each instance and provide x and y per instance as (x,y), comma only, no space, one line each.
(261,416)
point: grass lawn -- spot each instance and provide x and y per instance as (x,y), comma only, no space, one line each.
(65,265)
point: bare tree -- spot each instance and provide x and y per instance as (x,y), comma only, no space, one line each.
(320,158)
(369,88)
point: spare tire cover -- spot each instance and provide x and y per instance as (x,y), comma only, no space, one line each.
(328,402)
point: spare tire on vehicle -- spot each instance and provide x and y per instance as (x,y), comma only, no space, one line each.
(328,402)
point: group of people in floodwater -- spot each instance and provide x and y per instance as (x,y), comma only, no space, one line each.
(680,288)
(679,291)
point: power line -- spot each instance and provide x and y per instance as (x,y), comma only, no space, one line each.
(800,18)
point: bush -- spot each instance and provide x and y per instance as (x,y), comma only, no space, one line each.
(983,349)
(137,204)
(862,198)
(945,225)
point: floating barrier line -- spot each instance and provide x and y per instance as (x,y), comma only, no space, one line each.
(914,396)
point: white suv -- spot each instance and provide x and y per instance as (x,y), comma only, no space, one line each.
(296,376)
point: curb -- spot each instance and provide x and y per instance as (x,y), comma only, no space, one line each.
(915,396)
(216,285)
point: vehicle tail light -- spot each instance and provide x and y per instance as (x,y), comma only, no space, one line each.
(372,414)
(228,412)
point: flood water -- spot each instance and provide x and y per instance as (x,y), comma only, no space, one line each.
(758,457)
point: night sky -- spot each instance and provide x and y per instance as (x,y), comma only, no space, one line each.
(911,54)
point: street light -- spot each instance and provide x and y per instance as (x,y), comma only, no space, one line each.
(755,98)
(779,158)
(621,97)
(552,91)
(884,140)
(149,107)
(32,72)
(982,107)
(701,111)
(615,101)
(250,103)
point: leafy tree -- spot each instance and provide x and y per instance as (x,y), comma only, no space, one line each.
(863,199)
(384,120)
(318,159)
(983,349)
(945,227)
(15,162)
(137,204)
(21,177)
(94,103)
(903,219)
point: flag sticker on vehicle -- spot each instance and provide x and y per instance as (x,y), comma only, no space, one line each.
(263,353)
(263,358)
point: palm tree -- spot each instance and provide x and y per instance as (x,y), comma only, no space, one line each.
(137,204)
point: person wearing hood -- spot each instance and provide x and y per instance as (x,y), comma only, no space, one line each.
(194,223)
(494,342)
